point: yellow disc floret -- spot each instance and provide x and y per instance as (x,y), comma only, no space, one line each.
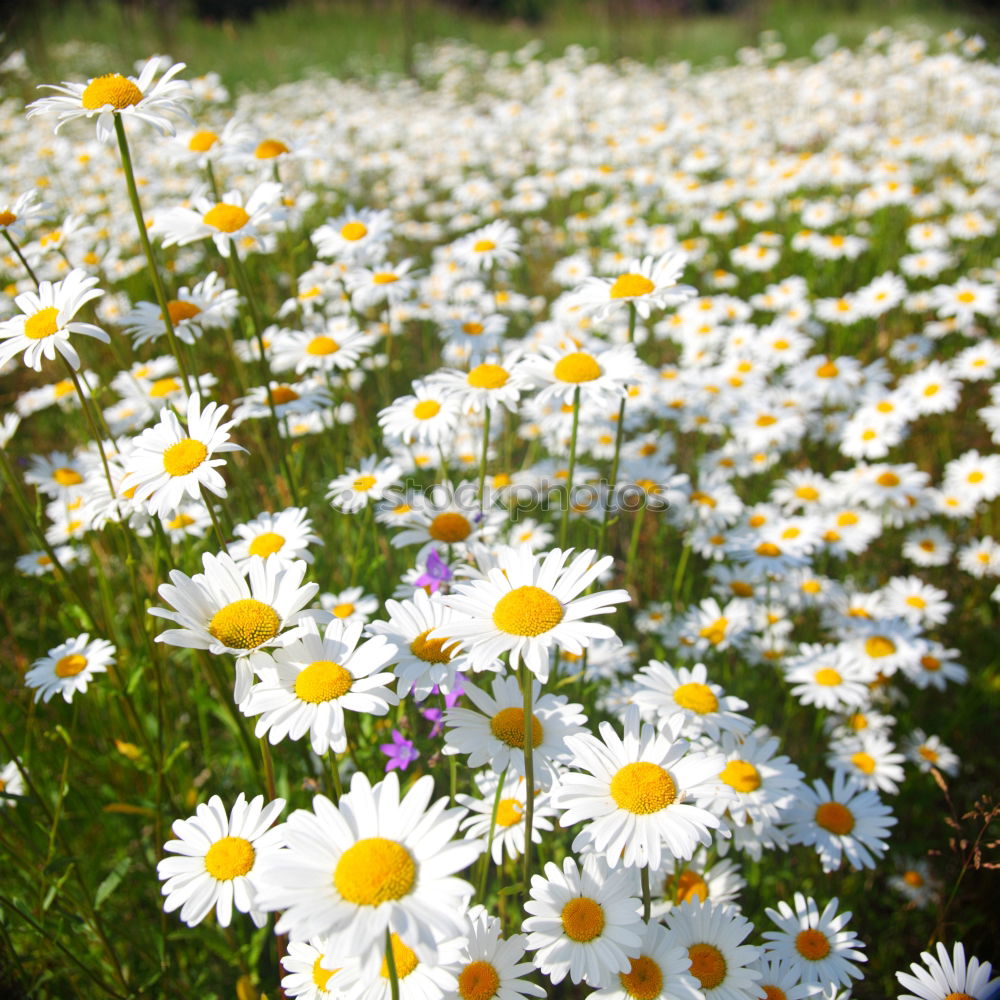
(426,409)
(508,727)
(433,650)
(812,944)
(643,788)
(111,89)
(577,367)
(268,149)
(373,871)
(322,680)
(527,611)
(43,324)
(179,311)
(184,456)
(644,979)
(696,698)
(687,885)
(742,776)
(321,346)
(229,857)
(245,624)
(708,965)
(478,981)
(449,527)
(835,817)
(509,812)
(628,286)
(226,218)
(71,665)
(403,957)
(353,231)
(583,919)
(487,376)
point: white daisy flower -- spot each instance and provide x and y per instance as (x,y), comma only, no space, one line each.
(508,827)
(661,971)
(69,667)
(840,821)
(676,881)
(948,976)
(641,794)
(11,783)
(780,981)
(647,284)
(528,604)
(208,305)
(337,344)
(427,417)
(418,979)
(357,487)
(372,863)
(929,751)
(282,537)
(168,462)
(496,243)
(355,235)
(584,923)
(218,858)
(815,944)
(310,967)
(350,605)
(492,965)
(133,98)
(723,967)
(224,612)
(308,685)
(602,377)
(870,759)
(828,677)
(45,322)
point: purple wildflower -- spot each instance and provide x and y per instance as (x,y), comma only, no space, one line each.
(401,752)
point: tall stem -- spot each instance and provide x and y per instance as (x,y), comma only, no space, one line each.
(91,423)
(489,838)
(390,961)
(482,459)
(564,526)
(160,291)
(20,256)
(527,682)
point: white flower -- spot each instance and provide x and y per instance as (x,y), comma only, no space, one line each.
(69,667)
(948,976)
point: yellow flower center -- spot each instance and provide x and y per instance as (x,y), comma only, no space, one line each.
(163,387)
(630,285)
(931,663)
(827,677)
(433,650)
(888,479)
(113,89)
(320,975)
(916,602)
(703,498)
(812,945)
(827,370)
(364,483)
(644,979)
(62,388)
(6,218)
(478,981)
(688,885)
(509,812)
(696,698)
(707,965)
(527,611)
(342,610)
(508,727)
(202,141)
(353,231)
(226,218)
(472,329)
(449,527)
(426,409)
(322,345)
(266,544)
(643,788)
(180,521)
(741,589)
(576,368)
(180,311)
(742,776)
(878,646)
(184,456)
(71,665)
(835,817)
(715,632)
(774,993)
(768,549)
(864,762)
(244,624)
(766,419)
(583,919)
(374,871)
(384,277)
(67,477)
(483,246)
(229,857)
(282,394)
(928,753)
(404,958)
(43,324)
(913,879)
(487,376)
(322,680)
(269,149)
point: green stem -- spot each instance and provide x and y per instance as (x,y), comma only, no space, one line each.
(564,526)
(91,423)
(390,961)
(489,839)
(482,459)
(160,291)
(20,257)
(527,679)
(647,899)
(63,786)
(219,534)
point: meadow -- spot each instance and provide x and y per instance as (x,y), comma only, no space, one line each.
(359,430)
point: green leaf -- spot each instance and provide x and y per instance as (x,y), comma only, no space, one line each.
(111,882)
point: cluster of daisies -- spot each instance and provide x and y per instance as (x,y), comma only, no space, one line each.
(410,466)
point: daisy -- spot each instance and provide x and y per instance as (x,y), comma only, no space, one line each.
(218,859)
(427,417)
(45,322)
(780,981)
(491,385)
(380,283)
(233,221)
(661,971)
(308,685)
(947,976)
(358,487)
(712,935)
(421,663)
(372,863)
(169,462)
(350,605)
(840,821)
(69,667)
(495,733)
(418,979)
(826,676)
(209,305)
(917,883)
(492,968)
(928,751)
(584,923)
(310,967)
(131,98)
(338,344)
(283,537)
(600,377)
(869,759)
(222,611)
(640,794)
(528,604)
(11,783)
(647,284)
(815,944)
(355,235)
(927,546)
(677,881)
(683,694)
(508,824)
(495,243)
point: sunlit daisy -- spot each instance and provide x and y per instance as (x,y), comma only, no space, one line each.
(947,976)
(660,971)
(69,667)
(508,826)
(283,537)
(647,284)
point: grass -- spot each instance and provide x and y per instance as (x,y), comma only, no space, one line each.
(352,38)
